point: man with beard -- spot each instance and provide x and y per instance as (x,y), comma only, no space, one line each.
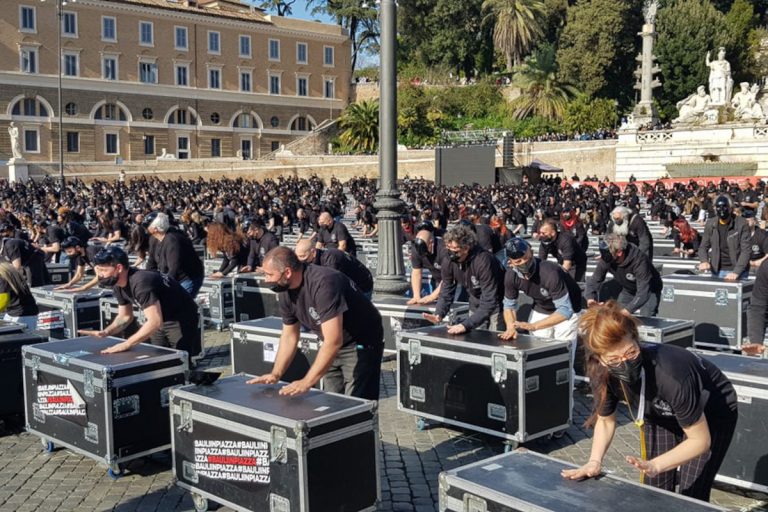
(334,235)
(626,223)
(728,238)
(261,242)
(563,246)
(428,252)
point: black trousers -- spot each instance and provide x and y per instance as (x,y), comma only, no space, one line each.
(179,336)
(696,476)
(356,371)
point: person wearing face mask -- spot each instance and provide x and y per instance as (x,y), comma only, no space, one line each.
(556,296)
(334,235)
(175,254)
(628,224)
(563,246)
(640,281)
(683,405)
(170,312)
(428,252)
(728,238)
(331,306)
(338,260)
(570,222)
(479,273)
(261,241)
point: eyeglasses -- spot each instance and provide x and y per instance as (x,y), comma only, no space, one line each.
(614,362)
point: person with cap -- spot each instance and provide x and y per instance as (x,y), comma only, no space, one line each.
(261,242)
(684,407)
(170,312)
(563,246)
(556,296)
(626,223)
(334,235)
(338,260)
(331,306)
(640,281)
(725,244)
(479,273)
(16,300)
(175,254)
(25,258)
(429,253)
(79,257)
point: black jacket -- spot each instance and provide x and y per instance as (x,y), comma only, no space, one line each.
(176,256)
(638,235)
(636,275)
(739,244)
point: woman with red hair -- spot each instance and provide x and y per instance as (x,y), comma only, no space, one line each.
(232,244)
(683,405)
(686,238)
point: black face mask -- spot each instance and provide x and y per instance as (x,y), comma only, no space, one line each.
(526,269)
(454,256)
(279,287)
(629,370)
(606,255)
(618,222)
(108,282)
(723,212)
(546,240)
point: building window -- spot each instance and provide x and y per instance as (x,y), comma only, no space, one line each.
(148,72)
(108,29)
(182,75)
(274,84)
(29,107)
(71,64)
(109,68)
(31,140)
(149,144)
(69,24)
(214,79)
(182,148)
(244,121)
(329,89)
(275,145)
(215,118)
(301,124)
(274,122)
(181,116)
(215,147)
(181,42)
(328,56)
(274,49)
(73,142)
(214,42)
(111,143)
(301,53)
(245,46)
(110,112)
(28,60)
(147,114)
(245,81)
(146,33)
(71,109)
(27,19)
(301,86)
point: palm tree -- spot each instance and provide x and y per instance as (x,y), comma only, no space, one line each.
(516,25)
(360,127)
(540,91)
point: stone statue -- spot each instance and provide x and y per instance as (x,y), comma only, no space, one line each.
(741,102)
(694,107)
(720,81)
(13,131)
(649,10)
(756,112)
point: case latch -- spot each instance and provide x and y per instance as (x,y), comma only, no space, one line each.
(499,367)
(239,290)
(185,416)
(414,352)
(106,310)
(35,364)
(88,389)
(279,503)
(278,449)
(474,504)
(92,433)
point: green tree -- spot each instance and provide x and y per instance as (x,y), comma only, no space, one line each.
(359,17)
(597,47)
(586,115)
(686,29)
(359,124)
(281,7)
(516,26)
(739,22)
(541,93)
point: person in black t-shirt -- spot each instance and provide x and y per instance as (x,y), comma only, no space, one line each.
(16,300)
(331,306)
(176,256)
(351,267)
(170,312)
(24,257)
(80,257)
(428,252)
(231,244)
(684,406)
(563,246)
(54,235)
(334,235)
(261,242)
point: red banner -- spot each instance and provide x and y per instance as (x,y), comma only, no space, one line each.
(669,182)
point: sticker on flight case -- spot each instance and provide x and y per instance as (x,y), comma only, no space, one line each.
(270,352)
(239,461)
(60,400)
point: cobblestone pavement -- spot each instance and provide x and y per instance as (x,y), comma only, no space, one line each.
(31,479)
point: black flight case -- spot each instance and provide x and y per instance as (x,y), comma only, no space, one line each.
(13,337)
(517,390)
(218,303)
(248,448)
(63,312)
(112,408)
(253,299)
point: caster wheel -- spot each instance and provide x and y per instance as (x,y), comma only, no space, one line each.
(201,503)
(115,473)
(48,445)
(421,424)
(510,446)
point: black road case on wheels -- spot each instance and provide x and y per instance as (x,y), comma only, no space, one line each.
(718,307)
(517,390)
(666,330)
(523,481)
(110,407)
(254,344)
(12,338)
(58,272)
(218,303)
(746,463)
(253,299)
(249,448)
(63,312)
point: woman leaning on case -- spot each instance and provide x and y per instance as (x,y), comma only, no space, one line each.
(683,405)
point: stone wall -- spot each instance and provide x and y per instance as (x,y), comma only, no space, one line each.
(579,157)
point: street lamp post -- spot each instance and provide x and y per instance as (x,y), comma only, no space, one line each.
(390,272)
(60,18)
